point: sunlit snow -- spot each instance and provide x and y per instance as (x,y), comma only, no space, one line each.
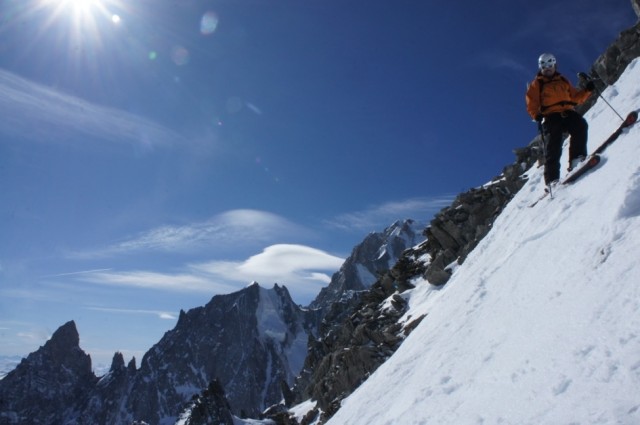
(541,324)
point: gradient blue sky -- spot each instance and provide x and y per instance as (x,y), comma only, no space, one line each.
(154,153)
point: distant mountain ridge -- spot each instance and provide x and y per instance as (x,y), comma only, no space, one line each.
(252,343)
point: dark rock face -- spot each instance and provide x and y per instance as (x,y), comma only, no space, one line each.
(250,341)
(45,386)
(110,392)
(354,342)
(456,230)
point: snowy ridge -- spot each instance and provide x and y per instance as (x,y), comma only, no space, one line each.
(541,324)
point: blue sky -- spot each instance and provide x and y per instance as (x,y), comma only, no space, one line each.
(156,153)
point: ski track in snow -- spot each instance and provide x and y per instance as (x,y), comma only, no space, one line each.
(541,324)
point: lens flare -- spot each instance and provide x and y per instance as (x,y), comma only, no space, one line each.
(208,23)
(180,55)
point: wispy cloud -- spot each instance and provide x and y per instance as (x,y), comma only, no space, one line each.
(380,216)
(76,273)
(161,314)
(302,269)
(178,282)
(238,227)
(33,111)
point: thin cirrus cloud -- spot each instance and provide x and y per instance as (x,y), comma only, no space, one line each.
(176,282)
(236,227)
(381,216)
(160,314)
(33,111)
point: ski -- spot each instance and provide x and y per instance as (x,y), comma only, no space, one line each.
(593,159)
(631,119)
(589,164)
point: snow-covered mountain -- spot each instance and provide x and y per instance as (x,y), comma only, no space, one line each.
(252,343)
(377,253)
(541,324)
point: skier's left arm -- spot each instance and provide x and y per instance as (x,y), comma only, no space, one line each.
(580,95)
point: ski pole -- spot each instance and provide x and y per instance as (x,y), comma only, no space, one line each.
(584,76)
(544,152)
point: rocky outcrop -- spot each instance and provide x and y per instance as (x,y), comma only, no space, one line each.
(46,386)
(456,230)
(111,392)
(355,324)
(209,407)
(611,64)
(350,349)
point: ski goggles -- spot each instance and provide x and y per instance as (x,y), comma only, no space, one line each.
(548,63)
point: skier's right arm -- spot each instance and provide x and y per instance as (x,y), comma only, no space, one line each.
(533,99)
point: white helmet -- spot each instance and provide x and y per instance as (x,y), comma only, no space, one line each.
(546,60)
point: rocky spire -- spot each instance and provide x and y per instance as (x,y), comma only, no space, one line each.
(58,374)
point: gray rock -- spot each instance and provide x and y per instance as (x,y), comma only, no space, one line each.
(46,386)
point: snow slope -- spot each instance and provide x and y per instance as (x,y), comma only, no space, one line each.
(541,324)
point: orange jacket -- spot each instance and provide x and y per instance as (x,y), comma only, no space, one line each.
(546,95)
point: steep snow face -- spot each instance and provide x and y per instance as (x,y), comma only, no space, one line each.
(541,324)
(270,324)
(289,336)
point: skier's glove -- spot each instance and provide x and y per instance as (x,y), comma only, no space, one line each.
(583,76)
(590,86)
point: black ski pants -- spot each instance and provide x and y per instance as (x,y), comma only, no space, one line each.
(555,126)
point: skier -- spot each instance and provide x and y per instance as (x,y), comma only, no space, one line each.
(551,101)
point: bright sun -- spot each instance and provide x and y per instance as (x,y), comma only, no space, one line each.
(85,15)
(74,5)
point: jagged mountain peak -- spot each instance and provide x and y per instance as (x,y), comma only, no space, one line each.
(117,364)
(64,348)
(65,335)
(57,374)
(252,341)
(376,254)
